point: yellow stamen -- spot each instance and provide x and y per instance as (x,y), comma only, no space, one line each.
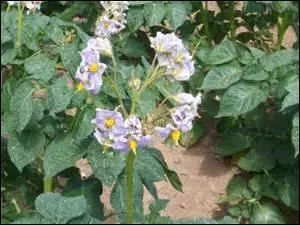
(110,122)
(175,135)
(80,86)
(133,145)
(106,24)
(93,68)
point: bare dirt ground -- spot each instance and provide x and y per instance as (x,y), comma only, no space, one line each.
(204,176)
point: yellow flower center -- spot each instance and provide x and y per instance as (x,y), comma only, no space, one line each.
(80,86)
(110,122)
(133,145)
(175,135)
(93,68)
(106,25)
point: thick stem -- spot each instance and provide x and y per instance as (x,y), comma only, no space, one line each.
(48,184)
(282,27)
(129,185)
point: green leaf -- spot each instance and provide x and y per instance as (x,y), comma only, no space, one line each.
(224,52)
(223,76)
(279,58)
(264,185)
(85,127)
(240,98)
(293,97)
(191,137)
(106,166)
(177,13)
(5,35)
(55,33)
(85,219)
(236,187)
(255,72)
(147,102)
(147,167)
(232,143)
(40,67)
(134,48)
(158,205)
(259,158)
(154,13)
(121,83)
(266,213)
(33,219)
(70,57)
(59,95)
(135,18)
(8,56)
(24,148)
(91,189)
(58,209)
(118,198)
(295,133)
(61,154)
(288,191)
(21,105)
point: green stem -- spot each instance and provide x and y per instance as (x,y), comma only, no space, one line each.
(205,18)
(129,185)
(20,26)
(48,184)
(282,27)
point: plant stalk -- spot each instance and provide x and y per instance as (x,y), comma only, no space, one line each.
(129,185)
(48,184)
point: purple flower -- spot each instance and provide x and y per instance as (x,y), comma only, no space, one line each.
(188,99)
(105,27)
(131,143)
(169,131)
(101,45)
(133,125)
(110,122)
(103,138)
(183,117)
(90,70)
(164,42)
(181,71)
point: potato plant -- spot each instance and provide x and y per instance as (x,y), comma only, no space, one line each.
(102,81)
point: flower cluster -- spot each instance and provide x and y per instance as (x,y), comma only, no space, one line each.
(112,131)
(32,6)
(172,55)
(112,21)
(182,116)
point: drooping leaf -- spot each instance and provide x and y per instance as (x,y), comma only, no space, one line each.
(59,209)
(106,166)
(40,66)
(221,77)
(147,102)
(55,33)
(232,143)
(62,153)
(8,56)
(266,213)
(191,137)
(264,185)
(24,148)
(158,205)
(224,52)
(240,98)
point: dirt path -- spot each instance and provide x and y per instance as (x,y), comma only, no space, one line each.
(204,179)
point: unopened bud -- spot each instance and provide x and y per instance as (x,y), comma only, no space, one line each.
(217,98)
(135,84)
